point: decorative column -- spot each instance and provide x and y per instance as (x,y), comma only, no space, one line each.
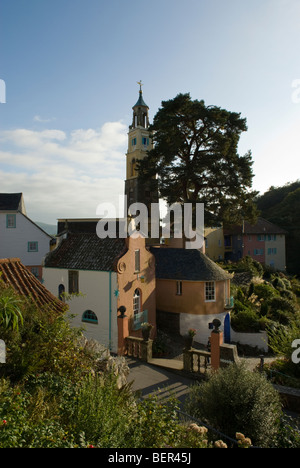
(216,340)
(123,331)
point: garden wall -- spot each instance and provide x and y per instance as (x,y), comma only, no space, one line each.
(259,340)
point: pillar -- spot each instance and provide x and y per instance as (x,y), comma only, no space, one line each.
(123,332)
(216,340)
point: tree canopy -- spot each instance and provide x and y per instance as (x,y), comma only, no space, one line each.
(195,155)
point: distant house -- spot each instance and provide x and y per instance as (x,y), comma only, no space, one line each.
(20,236)
(16,275)
(214,243)
(101,275)
(191,291)
(264,242)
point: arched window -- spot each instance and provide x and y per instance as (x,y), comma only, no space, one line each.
(90,317)
(61,291)
(137,302)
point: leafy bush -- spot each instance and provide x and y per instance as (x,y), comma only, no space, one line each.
(246,321)
(247,264)
(237,400)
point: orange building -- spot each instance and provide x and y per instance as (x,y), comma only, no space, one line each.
(191,291)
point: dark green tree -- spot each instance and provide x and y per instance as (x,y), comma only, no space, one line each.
(196,158)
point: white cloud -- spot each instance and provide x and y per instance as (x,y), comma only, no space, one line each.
(38,118)
(64,175)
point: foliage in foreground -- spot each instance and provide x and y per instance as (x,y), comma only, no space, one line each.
(236,400)
(53,413)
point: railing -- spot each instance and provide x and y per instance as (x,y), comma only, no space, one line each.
(138,348)
(196,361)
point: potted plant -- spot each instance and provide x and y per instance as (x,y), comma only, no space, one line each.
(146,330)
(189,338)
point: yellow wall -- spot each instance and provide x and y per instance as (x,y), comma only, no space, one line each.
(192,299)
(214,247)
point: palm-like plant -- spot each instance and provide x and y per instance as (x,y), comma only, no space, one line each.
(10,312)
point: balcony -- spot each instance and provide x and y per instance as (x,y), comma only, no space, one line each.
(229,303)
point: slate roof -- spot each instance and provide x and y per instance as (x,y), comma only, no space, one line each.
(262,226)
(10,201)
(15,274)
(86,251)
(186,264)
(140,102)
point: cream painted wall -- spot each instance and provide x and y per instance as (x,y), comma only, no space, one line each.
(97,293)
(278,260)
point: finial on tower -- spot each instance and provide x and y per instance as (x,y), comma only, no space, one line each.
(141,84)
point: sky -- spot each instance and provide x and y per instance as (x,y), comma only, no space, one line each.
(71,67)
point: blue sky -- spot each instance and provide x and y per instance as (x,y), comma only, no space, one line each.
(71,69)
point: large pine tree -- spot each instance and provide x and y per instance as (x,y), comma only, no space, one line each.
(196,158)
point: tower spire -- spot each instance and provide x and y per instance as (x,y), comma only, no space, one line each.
(140,111)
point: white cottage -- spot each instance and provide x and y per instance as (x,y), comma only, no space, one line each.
(20,236)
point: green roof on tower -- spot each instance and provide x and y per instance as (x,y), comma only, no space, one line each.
(140,102)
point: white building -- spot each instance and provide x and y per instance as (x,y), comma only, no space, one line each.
(20,236)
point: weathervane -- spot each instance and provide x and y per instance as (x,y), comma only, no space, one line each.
(141,84)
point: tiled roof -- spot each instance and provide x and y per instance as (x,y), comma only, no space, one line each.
(86,251)
(15,274)
(262,226)
(186,264)
(10,201)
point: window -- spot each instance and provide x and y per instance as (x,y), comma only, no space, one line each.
(145,141)
(137,264)
(90,317)
(227,241)
(73,282)
(179,288)
(35,271)
(61,292)
(11,221)
(272,251)
(33,247)
(137,302)
(133,142)
(210,293)
(258,251)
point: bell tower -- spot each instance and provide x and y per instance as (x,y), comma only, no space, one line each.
(138,137)
(139,143)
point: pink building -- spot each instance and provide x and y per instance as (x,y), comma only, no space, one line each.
(264,242)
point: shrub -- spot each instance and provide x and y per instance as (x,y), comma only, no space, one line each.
(245,321)
(237,400)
